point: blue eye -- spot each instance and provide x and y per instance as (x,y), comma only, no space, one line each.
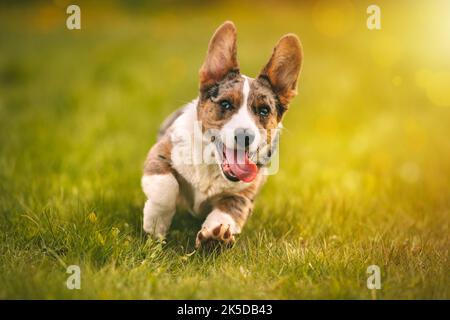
(226,105)
(263,111)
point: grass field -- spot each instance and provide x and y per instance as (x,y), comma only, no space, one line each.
(364,162)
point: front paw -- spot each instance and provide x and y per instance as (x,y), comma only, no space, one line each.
(155,228)
(220,234)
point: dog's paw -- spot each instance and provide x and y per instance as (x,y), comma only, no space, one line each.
(208,237)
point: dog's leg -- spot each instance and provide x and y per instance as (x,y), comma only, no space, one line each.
(161,188)
(225,221)
(162,192)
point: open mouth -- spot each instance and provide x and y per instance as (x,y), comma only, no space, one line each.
(237,166)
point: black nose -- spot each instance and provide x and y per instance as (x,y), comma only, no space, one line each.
(244,137)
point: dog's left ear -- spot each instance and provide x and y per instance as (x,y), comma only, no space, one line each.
(283,68)
(221,58)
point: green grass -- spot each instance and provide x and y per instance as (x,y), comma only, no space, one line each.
(364,176)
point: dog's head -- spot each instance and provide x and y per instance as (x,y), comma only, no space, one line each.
(241,115)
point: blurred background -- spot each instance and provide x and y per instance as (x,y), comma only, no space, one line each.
(365,153)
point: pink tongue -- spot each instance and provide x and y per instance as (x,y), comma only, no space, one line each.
(241,166)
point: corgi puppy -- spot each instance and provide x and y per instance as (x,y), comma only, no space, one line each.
(210,154)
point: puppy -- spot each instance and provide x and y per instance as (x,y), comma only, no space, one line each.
(210,154)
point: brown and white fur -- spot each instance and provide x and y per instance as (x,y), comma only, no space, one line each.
(175,173)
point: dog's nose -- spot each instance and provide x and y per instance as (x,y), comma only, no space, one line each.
(244,137)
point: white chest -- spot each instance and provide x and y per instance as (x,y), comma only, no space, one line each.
(205,181)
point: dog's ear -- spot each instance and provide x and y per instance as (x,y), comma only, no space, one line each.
(283,68)
(221,58)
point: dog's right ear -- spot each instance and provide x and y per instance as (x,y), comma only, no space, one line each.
(283,68)
(221,58)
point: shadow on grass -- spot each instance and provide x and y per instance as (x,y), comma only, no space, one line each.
(183,231)
(180,240)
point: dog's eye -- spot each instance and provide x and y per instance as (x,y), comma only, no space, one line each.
(263,111)
(226,105)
